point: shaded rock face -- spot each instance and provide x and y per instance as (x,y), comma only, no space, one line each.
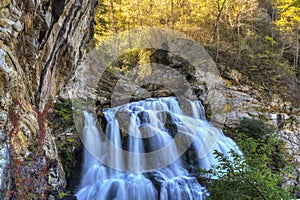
(41,43)
(147,73)
(68,143)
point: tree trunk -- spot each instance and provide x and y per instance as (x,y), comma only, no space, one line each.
(172,16)
(41,43)
(296,62)
(220,7)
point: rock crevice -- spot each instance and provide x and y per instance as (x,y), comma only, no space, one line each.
(41,43)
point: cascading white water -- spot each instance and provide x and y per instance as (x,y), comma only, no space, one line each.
(153,124)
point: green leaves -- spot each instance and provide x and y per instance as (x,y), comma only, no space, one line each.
(258,174)
(236,179)
(255,128)
(63,111)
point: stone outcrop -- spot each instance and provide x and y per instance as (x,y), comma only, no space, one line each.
(41,43)
(127,80)
(248,100)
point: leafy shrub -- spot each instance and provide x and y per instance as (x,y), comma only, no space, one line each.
(256,137)
(258,174)
(236,179)
(255,128)
(63,111)
(28,173)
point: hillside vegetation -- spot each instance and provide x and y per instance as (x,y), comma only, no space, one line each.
(259,38)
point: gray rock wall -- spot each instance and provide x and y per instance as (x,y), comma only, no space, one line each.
(41,43)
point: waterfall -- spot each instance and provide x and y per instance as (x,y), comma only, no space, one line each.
(147,126)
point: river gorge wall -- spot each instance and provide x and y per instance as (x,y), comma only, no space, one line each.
(43,42)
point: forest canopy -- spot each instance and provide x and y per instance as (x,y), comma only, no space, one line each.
(259,38)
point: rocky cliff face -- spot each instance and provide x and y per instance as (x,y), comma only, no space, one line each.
(246,99)
(129,79)
(41,43)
